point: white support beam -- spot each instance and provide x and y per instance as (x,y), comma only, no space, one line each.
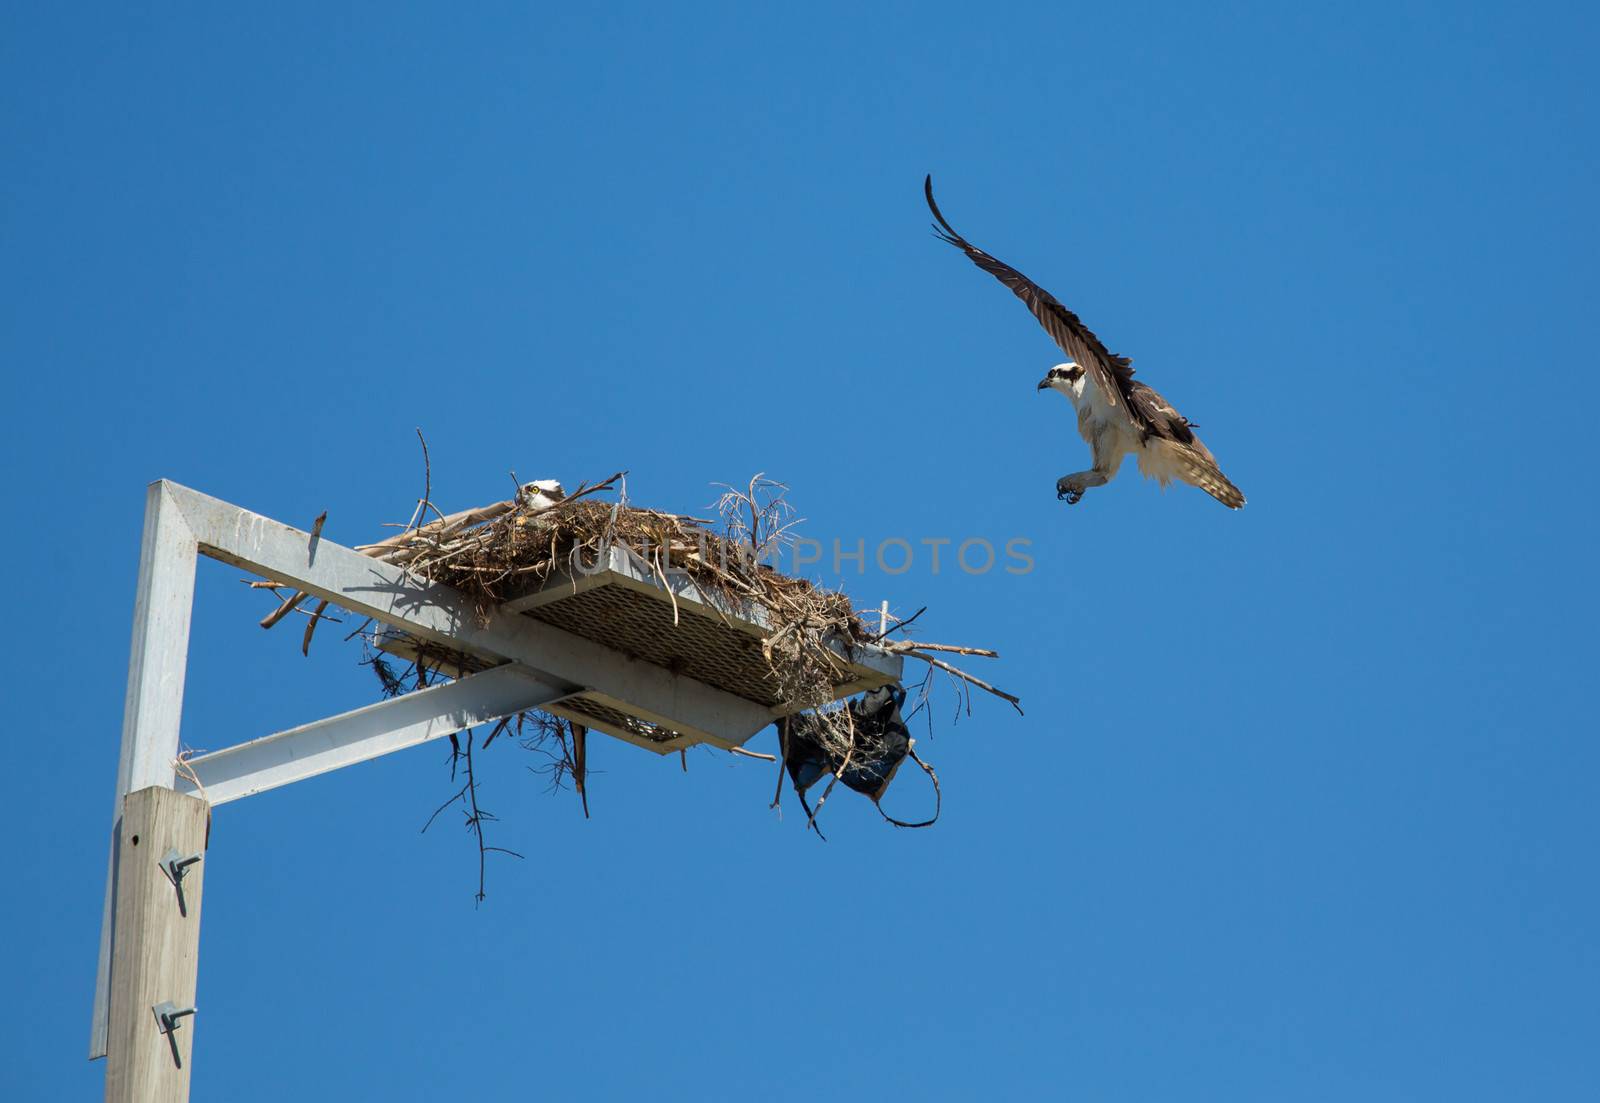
(160,652)
(443,615)
(154,704)
(366,733)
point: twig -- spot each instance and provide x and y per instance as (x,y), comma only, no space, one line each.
(1016,702)
(311,626)
(783,759)
(580,763)
(498,728)
(849,752)
(475,816)
(742,753)
(441,808)
(755,517)
(475,821)
(913,646)
(666,584)
(427,479)
(284,610)
(898,625)
(604,484)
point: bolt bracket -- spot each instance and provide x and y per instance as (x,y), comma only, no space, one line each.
(175,865)
(167,1016)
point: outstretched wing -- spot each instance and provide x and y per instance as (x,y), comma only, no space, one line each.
(1171,449)
(1113,374)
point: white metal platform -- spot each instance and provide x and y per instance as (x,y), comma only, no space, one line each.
(671,622)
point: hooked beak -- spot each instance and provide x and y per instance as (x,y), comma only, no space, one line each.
(1044,384)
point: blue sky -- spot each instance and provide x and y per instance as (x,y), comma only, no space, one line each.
(1302,806)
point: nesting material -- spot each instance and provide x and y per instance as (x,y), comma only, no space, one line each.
(512,551)
(665,580)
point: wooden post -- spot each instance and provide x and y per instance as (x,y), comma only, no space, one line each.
(155,947)
(157,663)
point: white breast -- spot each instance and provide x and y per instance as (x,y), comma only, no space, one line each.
(1091,402)
(1106,428)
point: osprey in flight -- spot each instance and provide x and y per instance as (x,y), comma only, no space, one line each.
(1116,414)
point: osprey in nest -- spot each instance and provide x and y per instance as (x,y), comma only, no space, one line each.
(1117,415)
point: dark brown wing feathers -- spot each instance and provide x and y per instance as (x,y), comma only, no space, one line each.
(1112,373)
(1159,415)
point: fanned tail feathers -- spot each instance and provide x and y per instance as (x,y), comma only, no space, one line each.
(1209,478)
(1165,460)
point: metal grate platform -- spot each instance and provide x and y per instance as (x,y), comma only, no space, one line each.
(623,605)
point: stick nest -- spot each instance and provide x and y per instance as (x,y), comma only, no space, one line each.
(504,550)
(498,552)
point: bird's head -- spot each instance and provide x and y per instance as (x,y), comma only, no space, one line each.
(1066,378)
(540,492)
